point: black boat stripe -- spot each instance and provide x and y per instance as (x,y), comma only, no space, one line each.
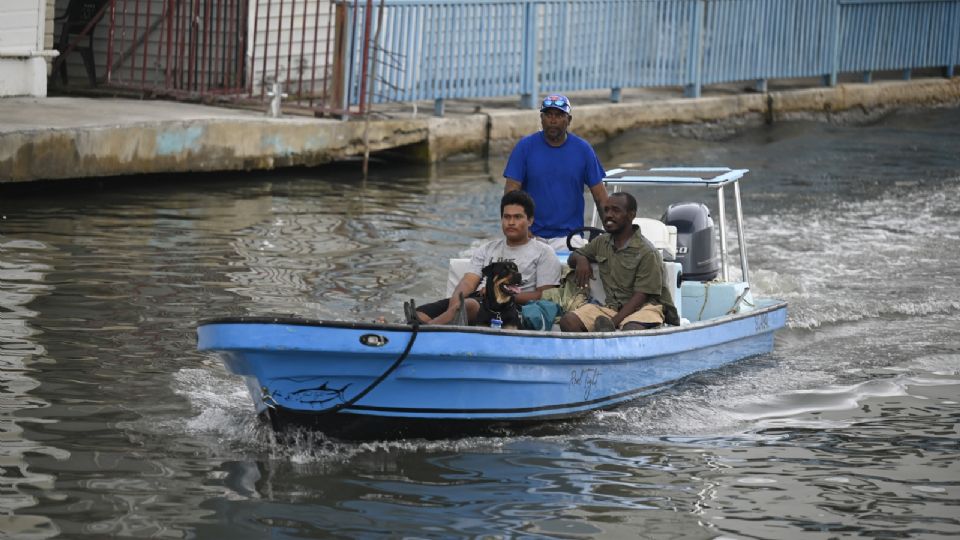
(637,392)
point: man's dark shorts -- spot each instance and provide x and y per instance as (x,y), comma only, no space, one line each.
(484,316)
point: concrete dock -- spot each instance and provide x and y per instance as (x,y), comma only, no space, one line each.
(74,137)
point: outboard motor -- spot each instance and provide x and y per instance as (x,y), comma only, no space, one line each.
(696,251)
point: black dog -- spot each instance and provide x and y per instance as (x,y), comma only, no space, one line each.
(502,284)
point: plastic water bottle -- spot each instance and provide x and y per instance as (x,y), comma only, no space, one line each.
(496,324)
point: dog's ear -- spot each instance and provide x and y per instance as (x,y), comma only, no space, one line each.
(487,269)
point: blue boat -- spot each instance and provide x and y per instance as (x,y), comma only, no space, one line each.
(359,380)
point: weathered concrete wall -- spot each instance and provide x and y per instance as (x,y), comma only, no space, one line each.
(598,122)
(60,138)
(199,144)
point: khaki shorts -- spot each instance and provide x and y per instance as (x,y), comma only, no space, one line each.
(648,314)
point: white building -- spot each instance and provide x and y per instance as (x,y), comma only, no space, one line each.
(26,45)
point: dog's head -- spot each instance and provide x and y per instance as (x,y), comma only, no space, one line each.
(502,283)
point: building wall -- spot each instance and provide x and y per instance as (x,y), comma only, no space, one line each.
(286,40)
(23,48)
(290,42)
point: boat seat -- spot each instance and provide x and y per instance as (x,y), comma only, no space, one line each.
(661,235)
(456,270)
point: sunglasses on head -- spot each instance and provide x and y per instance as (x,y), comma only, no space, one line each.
(560,102)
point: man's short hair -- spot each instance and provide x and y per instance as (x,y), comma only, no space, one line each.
(519,197)
(631,200)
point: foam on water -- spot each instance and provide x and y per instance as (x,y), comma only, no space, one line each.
(855,259)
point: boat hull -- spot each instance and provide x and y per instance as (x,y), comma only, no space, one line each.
(332,374)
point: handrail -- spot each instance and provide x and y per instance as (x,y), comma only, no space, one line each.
(452,49)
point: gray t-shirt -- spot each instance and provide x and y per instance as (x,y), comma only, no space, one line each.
(537,262)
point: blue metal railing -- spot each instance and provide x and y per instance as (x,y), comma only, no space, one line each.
(450,49)
(883,35)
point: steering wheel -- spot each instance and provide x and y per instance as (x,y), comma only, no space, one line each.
(594,232)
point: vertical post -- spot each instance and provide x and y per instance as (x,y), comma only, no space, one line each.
(365,57)
(266,41)
(113,12)
(868,77)
(953,48)
(528,76)
(830,79)
(760,86)
(253,45)
(146,45)
(204,62)
(615,95)
(313,62)
(303,49)
(438,107)
(133,47)
(341,57)
(744,267)
(276,56)
(723,234)
(907,74)
(695,51)
(169,52)
(193,35)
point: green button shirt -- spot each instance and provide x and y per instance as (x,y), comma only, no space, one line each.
(637,267)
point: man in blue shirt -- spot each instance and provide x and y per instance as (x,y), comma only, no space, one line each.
(553,166)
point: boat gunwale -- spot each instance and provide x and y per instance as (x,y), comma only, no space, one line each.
(399,327)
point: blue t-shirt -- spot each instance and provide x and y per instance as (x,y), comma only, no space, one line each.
(555,177)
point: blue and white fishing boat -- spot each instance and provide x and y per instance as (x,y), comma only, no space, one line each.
(358,379)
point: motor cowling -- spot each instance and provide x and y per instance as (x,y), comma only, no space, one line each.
(696,248)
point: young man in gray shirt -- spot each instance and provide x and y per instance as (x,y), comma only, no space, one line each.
(538,264)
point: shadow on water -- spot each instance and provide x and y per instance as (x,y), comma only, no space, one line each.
(114,425)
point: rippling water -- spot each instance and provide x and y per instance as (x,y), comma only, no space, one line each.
(112,425)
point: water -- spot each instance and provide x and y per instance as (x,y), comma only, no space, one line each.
(113,426)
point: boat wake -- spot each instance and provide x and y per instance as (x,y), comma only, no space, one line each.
(855,260)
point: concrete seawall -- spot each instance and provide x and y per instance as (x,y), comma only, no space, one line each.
(60,138)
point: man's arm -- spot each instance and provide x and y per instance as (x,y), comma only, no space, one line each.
(530,296)
(583,271)
(510,185)
(638,299)
(599,193)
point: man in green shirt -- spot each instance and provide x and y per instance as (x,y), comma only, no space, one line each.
(631,271)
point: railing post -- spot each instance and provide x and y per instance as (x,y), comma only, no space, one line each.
(341,60)
(365,57)
(349,51)
(113,25)
(615,95)
(830,79)
(952,46)
(528,77)
(695,52)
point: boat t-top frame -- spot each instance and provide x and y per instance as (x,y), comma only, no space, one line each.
(709,177)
